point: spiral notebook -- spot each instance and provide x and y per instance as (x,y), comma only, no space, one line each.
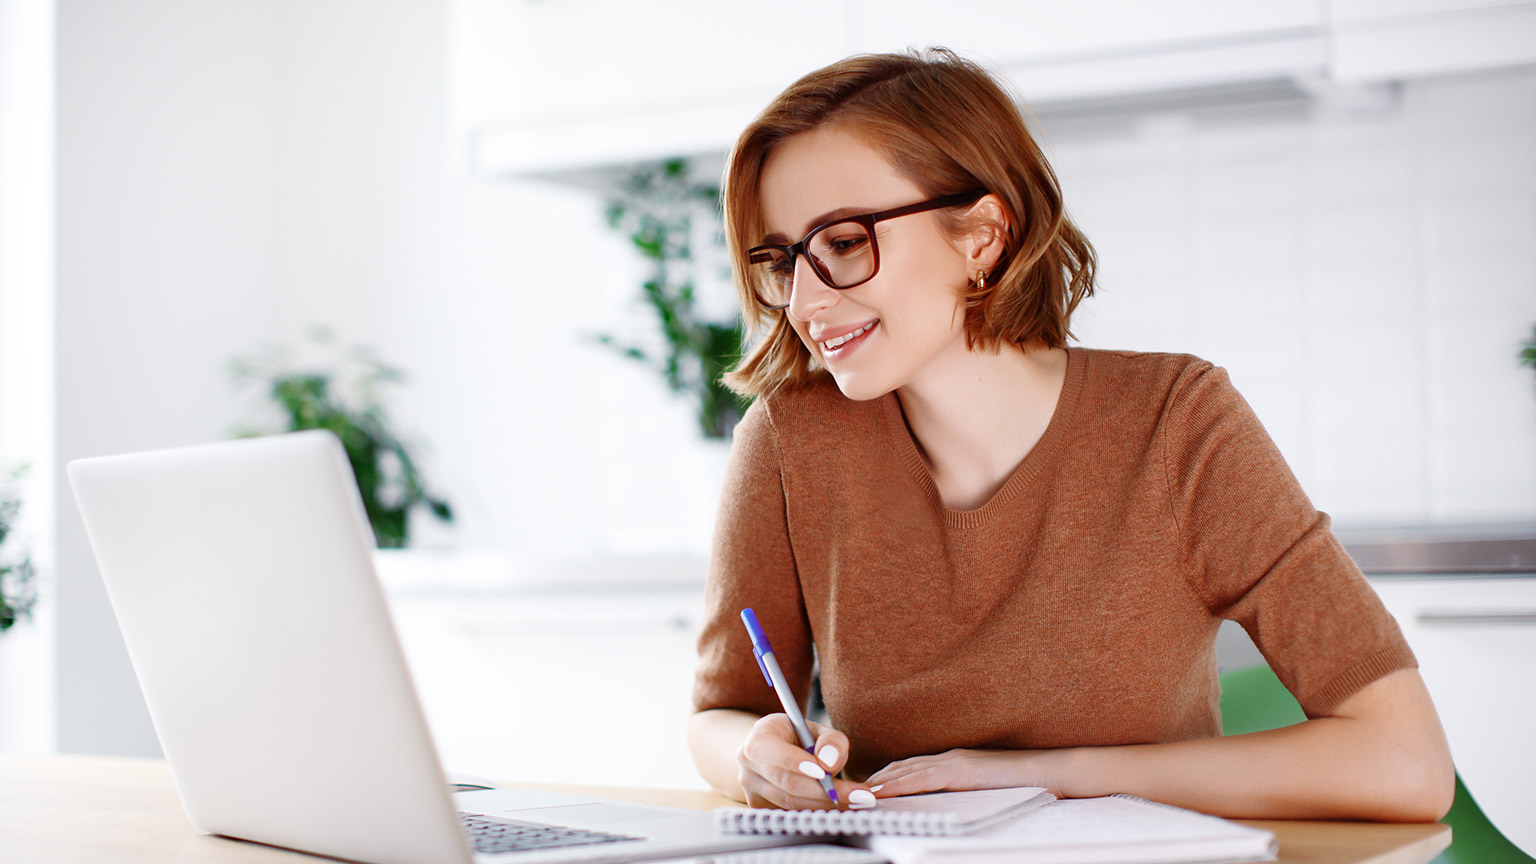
(938,814)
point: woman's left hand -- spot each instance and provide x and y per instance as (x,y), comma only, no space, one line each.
(955,770)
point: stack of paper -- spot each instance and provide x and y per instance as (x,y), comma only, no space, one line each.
(1119,829)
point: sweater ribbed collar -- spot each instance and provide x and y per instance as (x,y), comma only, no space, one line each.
(1033,465)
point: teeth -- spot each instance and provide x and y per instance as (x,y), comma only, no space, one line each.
(834,343)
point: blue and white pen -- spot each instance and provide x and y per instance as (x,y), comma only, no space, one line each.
(775,676)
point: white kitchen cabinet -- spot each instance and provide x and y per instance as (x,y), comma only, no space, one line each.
(1087,51)
(549,60)
(1475,638)
(566,688)
(1042,31)
(577,673)
(545,86)
(1382,40)
(542,87)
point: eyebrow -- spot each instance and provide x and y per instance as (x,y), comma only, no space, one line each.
(777,239)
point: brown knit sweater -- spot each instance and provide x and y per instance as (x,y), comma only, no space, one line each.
(1079,606)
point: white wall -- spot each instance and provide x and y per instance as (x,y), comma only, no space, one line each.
(26,350)
(230,174)
(166,242)
(483,292)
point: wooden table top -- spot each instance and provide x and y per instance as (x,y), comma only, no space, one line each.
(90,809)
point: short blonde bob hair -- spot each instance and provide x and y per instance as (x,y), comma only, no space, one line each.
(948,126)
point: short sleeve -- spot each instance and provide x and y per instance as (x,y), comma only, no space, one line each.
(1257,551)
(752,565)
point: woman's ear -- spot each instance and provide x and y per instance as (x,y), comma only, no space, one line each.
(987,237)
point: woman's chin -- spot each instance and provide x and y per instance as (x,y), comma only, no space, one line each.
(859,388)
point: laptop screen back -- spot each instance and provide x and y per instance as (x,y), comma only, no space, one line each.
(242,579)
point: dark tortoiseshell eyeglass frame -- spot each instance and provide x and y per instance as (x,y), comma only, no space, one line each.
(760,255)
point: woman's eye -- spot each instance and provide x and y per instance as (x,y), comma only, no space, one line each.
(848,244)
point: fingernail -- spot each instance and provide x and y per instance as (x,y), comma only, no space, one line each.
(877,788)
(812,770)
(861,799)
(828,755)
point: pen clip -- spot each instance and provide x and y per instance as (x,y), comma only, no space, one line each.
(763,666)
(760,644)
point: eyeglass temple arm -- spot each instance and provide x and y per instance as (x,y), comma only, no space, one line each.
(954,200)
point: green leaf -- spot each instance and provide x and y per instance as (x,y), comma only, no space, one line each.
(356,413)
(649,244)
(655,205)
(389,528)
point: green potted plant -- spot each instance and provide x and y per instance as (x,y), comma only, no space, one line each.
(659,207)
(345,395)
(18,576)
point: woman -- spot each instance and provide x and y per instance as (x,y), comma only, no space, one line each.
(1010,557)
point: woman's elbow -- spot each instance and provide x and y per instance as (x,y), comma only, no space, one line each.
(1438,791)
(1422,789)
(1433,774)
(1406,761)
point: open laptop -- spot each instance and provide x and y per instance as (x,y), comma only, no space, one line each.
(242,578)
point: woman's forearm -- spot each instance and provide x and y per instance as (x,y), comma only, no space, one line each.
(714,737)
(1320,769)
(1382,756)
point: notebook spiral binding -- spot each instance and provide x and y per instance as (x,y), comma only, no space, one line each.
(742,820)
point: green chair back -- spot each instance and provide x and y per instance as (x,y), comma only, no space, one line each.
(1253,699)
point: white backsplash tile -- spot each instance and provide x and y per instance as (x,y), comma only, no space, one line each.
(1491,162)
(1365,275)
(1251,184)
(1471,222)
(1251,242)
(1338,235)
(1478,103)
(1361,174)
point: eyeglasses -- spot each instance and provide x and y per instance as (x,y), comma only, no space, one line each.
(843,253)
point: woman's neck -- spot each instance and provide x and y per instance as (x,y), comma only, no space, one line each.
(977,414)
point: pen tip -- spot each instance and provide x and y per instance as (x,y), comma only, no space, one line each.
(832,793)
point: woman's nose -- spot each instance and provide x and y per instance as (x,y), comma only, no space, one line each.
(808,295)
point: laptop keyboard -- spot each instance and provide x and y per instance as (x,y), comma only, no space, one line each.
(491,836)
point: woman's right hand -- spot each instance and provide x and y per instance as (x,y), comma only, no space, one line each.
(775,771)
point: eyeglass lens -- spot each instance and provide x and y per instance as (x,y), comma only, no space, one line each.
(843,254)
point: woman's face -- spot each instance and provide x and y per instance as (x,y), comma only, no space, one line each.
(907,319)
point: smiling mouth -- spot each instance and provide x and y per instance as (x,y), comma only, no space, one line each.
(832,344)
